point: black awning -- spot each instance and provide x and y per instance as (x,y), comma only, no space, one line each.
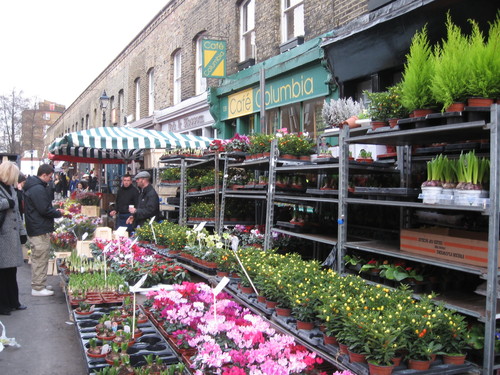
(380,40)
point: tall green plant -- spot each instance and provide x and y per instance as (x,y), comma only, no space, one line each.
(451,74)
(483,61)
(416,92)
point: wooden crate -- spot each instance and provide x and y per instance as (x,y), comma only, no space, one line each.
(91,211)
(83,248)
(52,268)
(104,233)
(152,157)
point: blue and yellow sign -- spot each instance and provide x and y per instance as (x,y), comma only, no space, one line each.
(303,84)
(214,58)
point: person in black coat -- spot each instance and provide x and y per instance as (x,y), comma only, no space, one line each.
(127,196)
(40,215)
(149,202)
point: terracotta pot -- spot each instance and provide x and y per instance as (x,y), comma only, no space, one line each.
(247,289)
(329,340)
(416,364)
(393,122)
(343,348)
(356,357)
(271,304)
(397,360)
(283,311)
(454,359)
(306,326)
(456,107)
(380,370)
(261,299)
(288,156)
(422,112)
(305,157)
(378,124)
(222,273)
(91,355)
(479,102)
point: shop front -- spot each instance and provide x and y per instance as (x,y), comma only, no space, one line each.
(296,84)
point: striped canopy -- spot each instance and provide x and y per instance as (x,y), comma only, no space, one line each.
(118,144)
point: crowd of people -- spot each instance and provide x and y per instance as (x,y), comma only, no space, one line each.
(27,213)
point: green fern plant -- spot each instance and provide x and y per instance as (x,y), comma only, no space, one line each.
(417,76)
(451,74)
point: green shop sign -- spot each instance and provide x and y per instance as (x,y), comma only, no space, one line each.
(302,85)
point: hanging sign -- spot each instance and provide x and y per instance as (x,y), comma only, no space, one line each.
(214,58)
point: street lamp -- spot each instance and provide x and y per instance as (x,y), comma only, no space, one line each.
(104,99)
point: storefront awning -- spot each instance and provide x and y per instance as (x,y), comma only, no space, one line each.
(380,40)
(118,144)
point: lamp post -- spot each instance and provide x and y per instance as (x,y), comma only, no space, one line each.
(104,99)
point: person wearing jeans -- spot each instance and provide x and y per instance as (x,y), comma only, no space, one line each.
(40,215)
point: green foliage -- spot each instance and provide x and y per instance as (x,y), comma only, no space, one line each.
(451,73)
(484,61)
(379,105)
(171,174)
(417,76)
(260,143)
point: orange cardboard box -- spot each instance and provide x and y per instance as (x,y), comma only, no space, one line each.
(447,244)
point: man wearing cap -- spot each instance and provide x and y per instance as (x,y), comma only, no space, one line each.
(149,202)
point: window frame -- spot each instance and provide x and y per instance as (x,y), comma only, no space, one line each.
(286,35)
(200,81)
(137,91)
(246,31)
(151,91)
(177,77)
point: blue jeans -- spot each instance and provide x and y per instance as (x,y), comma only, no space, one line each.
(121,222)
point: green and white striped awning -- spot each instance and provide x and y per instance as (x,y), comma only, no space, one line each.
(120,143)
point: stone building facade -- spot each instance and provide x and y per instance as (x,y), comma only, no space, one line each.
(146,65)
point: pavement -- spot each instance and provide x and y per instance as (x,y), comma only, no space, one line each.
(48,339)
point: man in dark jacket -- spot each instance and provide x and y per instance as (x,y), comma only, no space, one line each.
(126,197)
(40,217)
(149,202)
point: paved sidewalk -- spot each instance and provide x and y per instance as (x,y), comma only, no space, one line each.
(49,346)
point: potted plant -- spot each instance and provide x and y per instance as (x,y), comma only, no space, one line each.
(337,112)
(97,351)
(171,175)
(472,172)
(396,108)
(238,143)
(353,262)
(482,58)
(417,75)
(451,72)
(260,144)
(364,156)
(433,186)
(378,108)
(454,335)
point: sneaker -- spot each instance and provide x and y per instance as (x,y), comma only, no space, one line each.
(41,293)
(49,287)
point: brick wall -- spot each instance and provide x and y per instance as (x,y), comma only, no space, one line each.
(177,27)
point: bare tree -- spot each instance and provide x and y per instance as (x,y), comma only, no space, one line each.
(11,109)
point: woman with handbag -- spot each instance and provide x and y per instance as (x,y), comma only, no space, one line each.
(12,236)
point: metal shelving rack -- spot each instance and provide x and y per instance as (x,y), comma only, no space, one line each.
(484,309)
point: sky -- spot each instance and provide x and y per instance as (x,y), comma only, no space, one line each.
(53,49)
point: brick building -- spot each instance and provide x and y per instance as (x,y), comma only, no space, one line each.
(344,46)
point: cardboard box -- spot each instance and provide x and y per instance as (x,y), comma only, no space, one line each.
(117,234)
(52,268)
(104,233)
(168,191)
(447,244)
(62,254)
(152,157)
(83,248)
(91,211)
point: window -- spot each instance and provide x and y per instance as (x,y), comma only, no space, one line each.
(137,99)
(293,19)
(151,92)
(87,120)
(177,77)
(247,30)
(201,82)
(121,107)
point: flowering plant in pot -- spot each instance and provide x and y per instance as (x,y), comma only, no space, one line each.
(260,143)
(87,199)
(453,332)
(378,107)
(238,143)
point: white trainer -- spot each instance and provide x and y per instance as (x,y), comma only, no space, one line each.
(49,287)
(41,293)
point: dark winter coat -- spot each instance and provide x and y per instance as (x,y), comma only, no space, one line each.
(149,205)
(38,208)
(125,197)
(11,254)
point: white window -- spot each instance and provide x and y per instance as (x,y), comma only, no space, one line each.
(247,30)
(137,99)
(121,108)
(46,116)
(293,19)
(151,92)
(177,77)
(201,82)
